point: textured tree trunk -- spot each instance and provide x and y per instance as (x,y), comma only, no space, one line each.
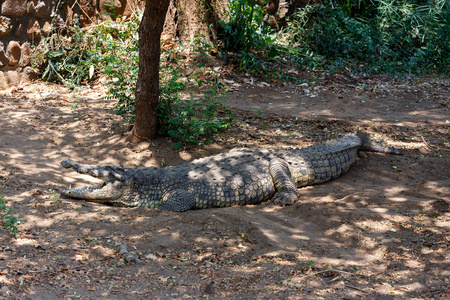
(194,19)
(147,85)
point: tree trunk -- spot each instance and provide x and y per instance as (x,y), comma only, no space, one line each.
(198,19)
(194,19)
(147,85)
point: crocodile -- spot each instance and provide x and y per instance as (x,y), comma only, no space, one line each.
(240,176)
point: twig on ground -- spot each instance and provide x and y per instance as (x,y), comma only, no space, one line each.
(128,256)
(356,288)
(428,145)
(334,279)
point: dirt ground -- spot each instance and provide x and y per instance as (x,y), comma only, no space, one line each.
(381,231)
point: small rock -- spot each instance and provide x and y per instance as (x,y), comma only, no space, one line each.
(33,29)
(14,7)
(13,77)
(3,59)
(46,28)
(4,289)
(42,8)
(14,51)
(26,51)
(151,256)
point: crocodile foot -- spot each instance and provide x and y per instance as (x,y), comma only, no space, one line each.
(285,198)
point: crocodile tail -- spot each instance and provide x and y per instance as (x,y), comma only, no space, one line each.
(368,144)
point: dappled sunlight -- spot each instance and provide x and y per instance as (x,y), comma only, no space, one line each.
(380,210)
(372,108)
(18,114)
(273,235)
(375,228)
(441,188)
(40,222)
(25,241)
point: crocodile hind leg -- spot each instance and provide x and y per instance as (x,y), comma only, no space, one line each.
(285,187)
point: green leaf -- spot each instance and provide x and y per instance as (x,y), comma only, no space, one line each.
(55,54)
(273,52)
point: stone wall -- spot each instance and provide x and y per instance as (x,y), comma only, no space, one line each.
(23,23)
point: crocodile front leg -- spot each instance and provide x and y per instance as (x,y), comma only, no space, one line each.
(285,187)
(178,200)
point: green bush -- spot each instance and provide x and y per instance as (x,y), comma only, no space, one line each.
(327,31)
(70,58)
(243,30)
(358,8)
(194,122)
(190,122)
(388,36)
(8,220)
(415,36)
(121,66)
(396,36)
(252,45)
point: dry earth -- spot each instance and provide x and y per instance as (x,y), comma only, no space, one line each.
(381,231)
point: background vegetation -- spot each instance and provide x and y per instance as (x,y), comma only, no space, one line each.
(388,36)
(371,36)
(7,219)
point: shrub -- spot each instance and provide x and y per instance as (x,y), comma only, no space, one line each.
(243,30)
(252,45)
(187,122)
(396,36)
(415,36)
(327,31)
(8,220)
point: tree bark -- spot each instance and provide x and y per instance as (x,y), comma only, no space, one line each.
(147,85)
(195,19)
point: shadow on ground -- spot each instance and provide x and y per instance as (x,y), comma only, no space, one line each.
(381,231)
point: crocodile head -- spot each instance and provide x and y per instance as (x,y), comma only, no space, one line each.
(109,192)
(117,187)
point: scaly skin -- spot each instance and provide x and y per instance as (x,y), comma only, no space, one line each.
(241,176)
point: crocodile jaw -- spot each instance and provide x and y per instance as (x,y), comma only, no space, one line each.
(106,192)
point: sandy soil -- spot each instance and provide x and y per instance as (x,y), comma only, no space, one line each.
(381,231)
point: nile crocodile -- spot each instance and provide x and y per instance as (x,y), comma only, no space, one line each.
(240,176)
